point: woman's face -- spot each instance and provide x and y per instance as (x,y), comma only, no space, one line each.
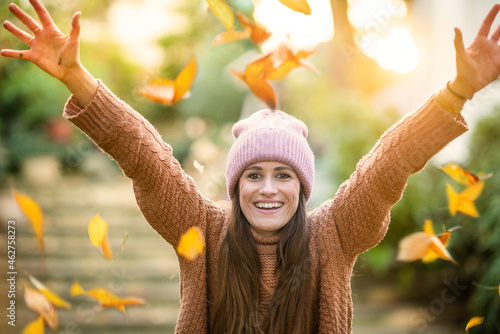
(269,195)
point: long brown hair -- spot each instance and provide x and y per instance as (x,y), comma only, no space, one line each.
(237,305)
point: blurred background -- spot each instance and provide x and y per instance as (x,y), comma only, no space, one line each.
(377,60)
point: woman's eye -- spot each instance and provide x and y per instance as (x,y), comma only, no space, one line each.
(253,176)
(283,176)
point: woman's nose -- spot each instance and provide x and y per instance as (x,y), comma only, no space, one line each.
(268,187)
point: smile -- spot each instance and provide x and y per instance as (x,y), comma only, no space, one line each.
(274,205)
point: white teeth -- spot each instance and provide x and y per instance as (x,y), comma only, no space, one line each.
(268,205)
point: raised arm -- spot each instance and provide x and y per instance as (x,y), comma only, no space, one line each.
(360,210)
(52,51)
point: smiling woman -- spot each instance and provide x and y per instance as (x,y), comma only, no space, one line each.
(268,265)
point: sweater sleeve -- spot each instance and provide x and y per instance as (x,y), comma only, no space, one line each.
(361,207)
(166,195)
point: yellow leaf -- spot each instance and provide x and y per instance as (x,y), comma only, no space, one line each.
(106,248)
(463,202)
(223,12)
(160,90)
(184,80)
(297,5)
(414,246)
(191,244)
(35,327)
(460,175)
(440,249)
(97,229)
(428,227)
(474,322)
(76,289)
(51,296)
(37,302)
(33,212)
(108,299)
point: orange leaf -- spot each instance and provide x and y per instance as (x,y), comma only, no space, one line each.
(35,327)
(223,12)
(440,249)
(284,61)
(33,212)
(106,248)
(191,244)
(254,77)
(230,36)
(297,5)
(258,34)
(474,322)
(37,302)
(51,296)
(108,299)
(160,90)
(184,80)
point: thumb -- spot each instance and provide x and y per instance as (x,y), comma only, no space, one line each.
(75,27)
(459,44)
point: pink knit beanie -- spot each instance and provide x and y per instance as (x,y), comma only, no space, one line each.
(269,135)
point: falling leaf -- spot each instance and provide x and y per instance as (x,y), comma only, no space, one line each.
(284,61)
(166,91)
(184,80)
(106,298)
(51,296)
(199,167)
(223,12)
(254,77)
(258,34)
(425,245)
(191,244)
(35,327)
(499,289)
(33,212)
(474,322)
(463,202)
(461,176)
(106,248)
(300,6)
(76,289)
(97,229)
(230,36)
(37,302)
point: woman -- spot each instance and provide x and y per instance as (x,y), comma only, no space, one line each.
(267,266)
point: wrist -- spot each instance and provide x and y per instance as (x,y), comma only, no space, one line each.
(81,84)
(460,89)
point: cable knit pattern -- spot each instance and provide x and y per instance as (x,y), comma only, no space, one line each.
(355,220)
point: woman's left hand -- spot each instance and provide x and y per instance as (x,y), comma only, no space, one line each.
(479,64)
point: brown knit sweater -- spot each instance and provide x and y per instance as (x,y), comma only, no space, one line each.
(355,220)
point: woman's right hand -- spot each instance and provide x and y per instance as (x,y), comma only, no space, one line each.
(52,51)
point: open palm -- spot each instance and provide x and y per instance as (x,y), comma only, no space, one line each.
(50,49)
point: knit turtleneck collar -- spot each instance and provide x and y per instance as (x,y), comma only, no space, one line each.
(266,244)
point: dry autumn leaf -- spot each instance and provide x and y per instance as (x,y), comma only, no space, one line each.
(258,34)
(35,327)
(37,302)
(191,244)
(223,12)
(254,77)
(461,176)
(97,229)
(425,245)
(33,212)
(51,296)
(474,322)
(230,36)
(168,91)
(300,6)
(463,202)
(106,298)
